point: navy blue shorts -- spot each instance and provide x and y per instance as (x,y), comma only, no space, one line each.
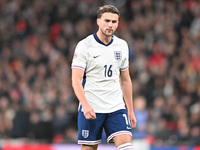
(90,131)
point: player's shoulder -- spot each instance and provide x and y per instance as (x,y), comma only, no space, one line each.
(86,42)
(119,41)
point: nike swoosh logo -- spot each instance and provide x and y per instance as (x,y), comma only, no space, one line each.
(96,56)
(128,127)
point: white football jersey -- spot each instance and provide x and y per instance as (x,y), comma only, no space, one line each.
(102,65)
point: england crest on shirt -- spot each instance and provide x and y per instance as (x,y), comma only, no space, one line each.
(118,55)
(85,133)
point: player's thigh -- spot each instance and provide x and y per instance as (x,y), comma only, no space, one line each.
(117,124)
(90,131)
(89,147)
(122,139)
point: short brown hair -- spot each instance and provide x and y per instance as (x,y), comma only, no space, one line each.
(107,8)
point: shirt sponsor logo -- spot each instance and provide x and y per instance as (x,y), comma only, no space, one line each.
(85,133)
(118,55)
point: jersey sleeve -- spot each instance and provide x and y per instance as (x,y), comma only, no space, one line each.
(79,58)
(125,57)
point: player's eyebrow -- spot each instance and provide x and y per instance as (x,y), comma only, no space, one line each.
(113,21)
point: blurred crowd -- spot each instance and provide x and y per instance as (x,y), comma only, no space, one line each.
(37,41)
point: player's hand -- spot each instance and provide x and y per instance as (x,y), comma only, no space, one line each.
(89,112)
(132,118)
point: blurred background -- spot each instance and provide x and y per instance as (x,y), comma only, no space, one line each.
(37,41)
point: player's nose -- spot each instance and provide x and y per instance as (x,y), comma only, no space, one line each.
(110,24)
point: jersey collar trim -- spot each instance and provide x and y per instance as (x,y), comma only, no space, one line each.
(99,41)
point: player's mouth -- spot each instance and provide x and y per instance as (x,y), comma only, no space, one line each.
(109,30)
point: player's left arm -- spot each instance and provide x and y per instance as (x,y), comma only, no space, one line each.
(126,86)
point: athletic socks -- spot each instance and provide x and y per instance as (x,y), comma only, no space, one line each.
(126,146)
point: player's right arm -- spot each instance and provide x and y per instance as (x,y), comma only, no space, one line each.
(77,76)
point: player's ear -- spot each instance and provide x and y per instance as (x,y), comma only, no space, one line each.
(98,20)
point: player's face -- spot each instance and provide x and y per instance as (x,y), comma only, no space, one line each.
(108,23)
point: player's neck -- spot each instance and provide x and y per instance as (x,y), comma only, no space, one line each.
(103,38)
